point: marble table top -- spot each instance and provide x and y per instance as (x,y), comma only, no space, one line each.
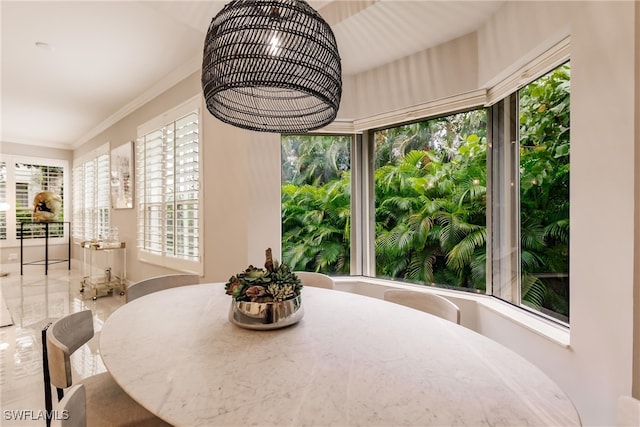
(352,360)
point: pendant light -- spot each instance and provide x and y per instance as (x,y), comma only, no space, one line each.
(271,66)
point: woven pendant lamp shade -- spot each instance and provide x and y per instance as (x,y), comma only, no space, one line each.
(271,66)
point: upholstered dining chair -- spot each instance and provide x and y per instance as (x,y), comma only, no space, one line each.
(318,280)
(159,283)
(427,302)
(72,409)
(106,403)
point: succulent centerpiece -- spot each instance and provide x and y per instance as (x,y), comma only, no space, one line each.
(275,282)
(265,298)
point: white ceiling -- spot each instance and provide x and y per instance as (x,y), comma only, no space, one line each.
(105,56)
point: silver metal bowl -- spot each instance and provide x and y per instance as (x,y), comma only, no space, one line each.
(266,315)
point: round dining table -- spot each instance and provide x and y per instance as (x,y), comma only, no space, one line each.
(351,360)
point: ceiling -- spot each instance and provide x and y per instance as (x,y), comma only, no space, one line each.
(69,68)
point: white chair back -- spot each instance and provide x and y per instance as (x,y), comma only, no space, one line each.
(318,280)
(424,301)
(159,283)
(65,336)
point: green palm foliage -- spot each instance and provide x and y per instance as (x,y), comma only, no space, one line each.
(544,190)
(316,203)
(430,202)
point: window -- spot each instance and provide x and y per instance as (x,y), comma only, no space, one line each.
(168,189)
(20,180)
(531,186)
(316,199)
(430,210)
(4,205)
(91,207)
(476,200)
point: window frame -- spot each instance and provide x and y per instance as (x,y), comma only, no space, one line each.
(352,249)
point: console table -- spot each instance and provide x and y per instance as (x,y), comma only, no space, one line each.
(47,229)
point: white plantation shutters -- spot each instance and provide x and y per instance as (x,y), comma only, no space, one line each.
(3,201)
(168,189)
(91,205)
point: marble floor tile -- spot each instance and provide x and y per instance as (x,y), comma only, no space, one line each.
(33,300)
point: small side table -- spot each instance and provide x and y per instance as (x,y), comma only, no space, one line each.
(104,268)
(47,229)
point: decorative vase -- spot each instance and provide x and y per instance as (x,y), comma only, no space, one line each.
(266,315)
(46,206)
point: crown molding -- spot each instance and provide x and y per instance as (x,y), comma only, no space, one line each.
(170,80)
(432,108)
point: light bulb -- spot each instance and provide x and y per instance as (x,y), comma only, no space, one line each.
(274,44)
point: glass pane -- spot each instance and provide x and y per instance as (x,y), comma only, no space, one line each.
(544,192)
(430,188)
(316,202)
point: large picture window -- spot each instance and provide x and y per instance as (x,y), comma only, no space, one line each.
(476,200)
(430,204)
(531,188)
(316,202)
(168,189)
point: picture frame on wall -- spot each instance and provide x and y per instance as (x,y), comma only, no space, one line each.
(122,176)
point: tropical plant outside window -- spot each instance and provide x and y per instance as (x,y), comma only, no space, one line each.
(316,202)
(430,186)
(544,107)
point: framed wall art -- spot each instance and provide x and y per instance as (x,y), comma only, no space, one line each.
(122,176)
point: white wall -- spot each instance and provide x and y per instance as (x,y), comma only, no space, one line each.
(602,206)
(240,189)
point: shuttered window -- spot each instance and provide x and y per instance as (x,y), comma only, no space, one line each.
(91,195)
(21,178)
(168,189)
(4,205)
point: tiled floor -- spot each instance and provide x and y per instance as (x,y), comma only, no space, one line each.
(33,300)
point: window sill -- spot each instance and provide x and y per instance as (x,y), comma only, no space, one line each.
(530,321)
(483,306)
(173,263)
